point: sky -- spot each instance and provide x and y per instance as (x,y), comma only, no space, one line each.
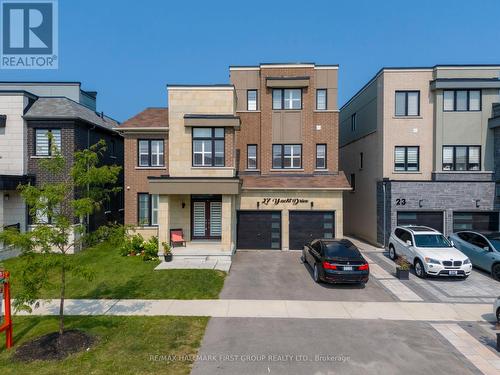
(128,51)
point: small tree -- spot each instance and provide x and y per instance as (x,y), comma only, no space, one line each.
(59,210)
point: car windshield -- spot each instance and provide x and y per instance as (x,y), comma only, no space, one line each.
(431,240)
(495,240)
(341,249)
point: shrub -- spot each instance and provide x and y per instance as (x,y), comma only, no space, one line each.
(402,263)
(150,249)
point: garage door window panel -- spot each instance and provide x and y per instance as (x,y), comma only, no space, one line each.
(480,221)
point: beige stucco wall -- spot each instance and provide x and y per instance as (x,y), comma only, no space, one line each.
(323,201)
(145,232)
(194,100)
(408,131)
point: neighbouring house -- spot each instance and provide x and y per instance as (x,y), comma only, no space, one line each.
(248,165)
(495,126)
(416,145)
(29,111)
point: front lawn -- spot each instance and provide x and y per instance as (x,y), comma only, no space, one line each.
(129,277)
(125,345)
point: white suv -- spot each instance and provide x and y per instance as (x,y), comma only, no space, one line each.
(428,251)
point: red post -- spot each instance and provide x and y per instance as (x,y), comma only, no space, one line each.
(7,326)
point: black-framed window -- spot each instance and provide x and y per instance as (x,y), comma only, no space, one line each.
(251,156)
(287,156)
(353,182)
(353,122)
(406,158)
(151,153)
(321,156)
(287,98)
(147,209)
(462,100)
(45,144)
(251,100)
(407,103)
(112,148)
(321,99)
(461,158)
(361,160)
(208,147)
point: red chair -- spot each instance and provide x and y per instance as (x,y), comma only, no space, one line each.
(177,237)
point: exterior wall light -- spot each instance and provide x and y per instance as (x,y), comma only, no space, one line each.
(312,204)
(258,204)
(421,203)
(477,203)
(183,204)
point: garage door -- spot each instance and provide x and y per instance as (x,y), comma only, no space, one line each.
(306,226)
(482,221)
(259,230)
(429,219)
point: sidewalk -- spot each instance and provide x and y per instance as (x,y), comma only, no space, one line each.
(230,308)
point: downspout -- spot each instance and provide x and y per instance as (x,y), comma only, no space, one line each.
(384,213)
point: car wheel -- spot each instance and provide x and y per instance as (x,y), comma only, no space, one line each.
(316,273)
(495,272)
(419,269)
(392,252)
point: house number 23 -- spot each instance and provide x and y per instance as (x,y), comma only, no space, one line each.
(401,202)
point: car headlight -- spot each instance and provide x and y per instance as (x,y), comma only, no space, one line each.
(467,261)
(432,261)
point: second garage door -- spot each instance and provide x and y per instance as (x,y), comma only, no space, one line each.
(428,219)
(259,230)
(482,221)
(309,225)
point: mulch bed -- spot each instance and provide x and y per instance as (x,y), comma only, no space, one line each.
(51,347)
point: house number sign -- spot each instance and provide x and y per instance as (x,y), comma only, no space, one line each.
(276,201)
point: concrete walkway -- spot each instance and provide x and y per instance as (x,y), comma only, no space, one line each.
(231,308)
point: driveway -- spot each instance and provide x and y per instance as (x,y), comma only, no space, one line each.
(290,346)
(279,275)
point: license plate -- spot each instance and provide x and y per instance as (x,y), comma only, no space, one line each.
(347,268)
(453,273)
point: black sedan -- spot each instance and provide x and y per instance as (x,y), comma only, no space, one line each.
(336,261)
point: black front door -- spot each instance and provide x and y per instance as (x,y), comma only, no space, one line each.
(259,230)
(206,217)
(306,226)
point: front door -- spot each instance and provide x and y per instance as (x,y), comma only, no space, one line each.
(206,217)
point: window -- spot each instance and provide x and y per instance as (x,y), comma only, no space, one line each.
(287,99)
(112,148)
(461,158)
(406,158)
(462,100)
(407,103)
(353,182)
(405,236)
(287,156)
(46,141)
(251,100)
(208,147)
(353,122)
(147,210)
(251,156)
(361,160)
(321,99)
(321,156)
(151,153)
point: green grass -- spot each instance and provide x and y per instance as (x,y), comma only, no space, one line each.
(128,277)
(125,345)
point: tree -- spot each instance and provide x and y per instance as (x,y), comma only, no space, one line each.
(59,211)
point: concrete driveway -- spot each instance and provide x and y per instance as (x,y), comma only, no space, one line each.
(290,346)
(268,274)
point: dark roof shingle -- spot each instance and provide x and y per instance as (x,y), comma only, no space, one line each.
(299,182)
(149,118)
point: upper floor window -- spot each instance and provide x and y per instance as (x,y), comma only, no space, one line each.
(208,147)
(406,158)
(321,156)
(462,100)
(46,140)
(287,156)
(461,158)
(251,100)
(151,153)
(287,99)
(147,209)
(251,156)
(407,103)
(353,122)
(321,99)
